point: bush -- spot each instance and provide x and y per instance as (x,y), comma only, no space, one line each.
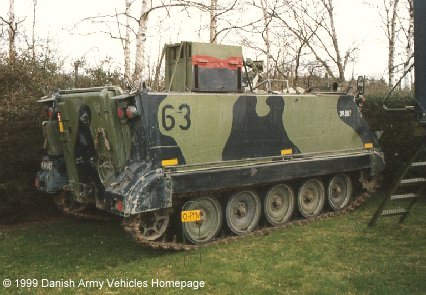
(22,84)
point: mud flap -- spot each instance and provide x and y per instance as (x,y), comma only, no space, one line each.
(147,191)
(150,192)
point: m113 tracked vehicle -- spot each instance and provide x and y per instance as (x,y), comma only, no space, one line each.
(244,159)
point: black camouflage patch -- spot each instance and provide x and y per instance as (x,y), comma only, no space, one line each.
(349,113)
(161,147)
(253,136)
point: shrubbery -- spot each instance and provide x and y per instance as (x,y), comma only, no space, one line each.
(22,84)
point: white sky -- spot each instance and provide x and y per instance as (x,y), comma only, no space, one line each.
(355,21)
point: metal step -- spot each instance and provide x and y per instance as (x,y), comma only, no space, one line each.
(405,196)
(416,160)
(409,181)
(397,211)
(418,164)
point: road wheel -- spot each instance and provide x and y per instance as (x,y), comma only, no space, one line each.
(339,191)
(243,212)
(279,204)
(211,220)
(311,198)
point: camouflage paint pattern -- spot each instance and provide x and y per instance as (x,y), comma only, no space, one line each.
(201,131)
(314,124)
(209,130)
(107,133)
(211,135)
(311,123)
(51,136)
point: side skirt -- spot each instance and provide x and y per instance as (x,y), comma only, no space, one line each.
(216,179)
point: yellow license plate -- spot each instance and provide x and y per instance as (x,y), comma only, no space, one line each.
(191,215)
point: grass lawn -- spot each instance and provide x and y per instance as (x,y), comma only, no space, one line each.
(331,256)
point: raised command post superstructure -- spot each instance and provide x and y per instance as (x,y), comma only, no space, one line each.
(205,143)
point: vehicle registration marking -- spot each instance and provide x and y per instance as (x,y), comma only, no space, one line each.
(191,215)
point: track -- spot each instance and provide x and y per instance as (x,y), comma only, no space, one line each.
(131,228)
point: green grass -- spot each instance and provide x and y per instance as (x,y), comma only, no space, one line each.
(333,256)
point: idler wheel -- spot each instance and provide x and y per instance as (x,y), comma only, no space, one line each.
(152,225)
(243,212)
(311,198)
(279,204)
(339,191)
(211,220)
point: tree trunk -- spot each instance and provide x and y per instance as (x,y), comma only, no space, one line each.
(12,31)
(266,37)
(330,7)
(315,29)
(296,68)
(323,62)
(127,43)
(213,21)
(391,42)
(33,32)
(140,43)
(409,47)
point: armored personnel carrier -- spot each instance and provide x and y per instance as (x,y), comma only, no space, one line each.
(244,159)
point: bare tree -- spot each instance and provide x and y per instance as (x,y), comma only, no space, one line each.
(147,8)
(33,30)
(213,21)
(409,48)
(218,22)
(389,19)
(12,30)
(126,42)
(217,13)
(331,31)
(140,41)
(298,46)
(266,35)
(13,27)
(300,35)
(312,22)
(260,35)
